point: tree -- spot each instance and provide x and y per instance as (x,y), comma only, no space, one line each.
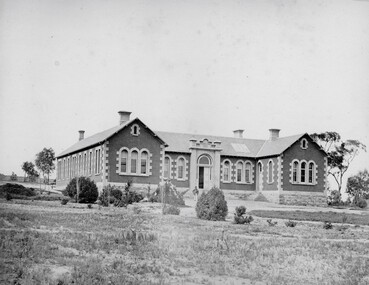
(29,170)
(45,161)
(358,185)
(13,177)
(340,153)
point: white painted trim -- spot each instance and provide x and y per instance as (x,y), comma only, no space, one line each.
(170,167)
(184,178)
(137,133)
(302,143)
(230,171)
(270,175)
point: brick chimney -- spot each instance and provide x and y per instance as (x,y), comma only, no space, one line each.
(124,116)
(238,133)
(273,134)
(81,135)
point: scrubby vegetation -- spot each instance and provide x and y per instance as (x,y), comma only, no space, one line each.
(88,192)
(240,216)
(170,195)
(171,210)
(290,224)
(212,205)
(16,190)
(113,195)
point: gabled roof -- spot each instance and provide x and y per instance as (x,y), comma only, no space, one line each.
(179,142)
(276,147)
(101,137)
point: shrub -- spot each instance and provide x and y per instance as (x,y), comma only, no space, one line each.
(359,202)
(89,206)
(171,210)
(212,205)
(16,190)
(170,194)
(327,225)
(291,224)
(271,223)
(13,177)
(64,201)
(240,217)
(8,196)
(88,191)
(119,198)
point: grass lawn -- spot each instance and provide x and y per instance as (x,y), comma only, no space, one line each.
(43,242)
(332,217)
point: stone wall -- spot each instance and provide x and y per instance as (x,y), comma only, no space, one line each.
(303,199)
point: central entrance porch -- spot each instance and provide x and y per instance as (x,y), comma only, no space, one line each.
(204,170)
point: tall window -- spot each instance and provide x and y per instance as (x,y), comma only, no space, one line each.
(226,171)
(167,167)
(294,171)
(134,160)
(90,164)
(123,160)
(270,171)
(248,172)
(144,157)
(84,163)
(239,170)
(302,172)
(97,161)
(180,165)
(311,172)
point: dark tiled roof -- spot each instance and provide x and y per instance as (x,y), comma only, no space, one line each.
(181,142)
(178,142)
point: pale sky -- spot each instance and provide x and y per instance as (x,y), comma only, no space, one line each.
(206,67)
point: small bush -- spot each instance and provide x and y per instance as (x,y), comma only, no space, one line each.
(291,224)
(212,205)
(64,201)
(13,177)
(119,198)
(240,217)
(88,191)
(89,206)
(171,210)
(271,223)
(327,225)
(359,202)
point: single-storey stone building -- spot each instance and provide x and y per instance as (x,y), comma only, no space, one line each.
(288,170)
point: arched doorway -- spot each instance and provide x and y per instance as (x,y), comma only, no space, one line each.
(204,165)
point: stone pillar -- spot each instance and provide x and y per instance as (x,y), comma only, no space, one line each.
(193,169)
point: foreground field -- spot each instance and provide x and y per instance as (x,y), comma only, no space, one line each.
(47,243)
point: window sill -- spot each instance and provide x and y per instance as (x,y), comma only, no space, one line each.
(133,174)
(223,181)
(181,179)
(272,182)
(304,183)
(242,182)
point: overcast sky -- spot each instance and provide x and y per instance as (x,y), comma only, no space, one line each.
(206,67)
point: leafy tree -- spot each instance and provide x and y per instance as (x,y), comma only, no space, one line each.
(13,177)
(45,161)
(340,153)
(358,185)
(29,170)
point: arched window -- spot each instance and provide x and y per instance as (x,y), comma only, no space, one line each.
(167,167)
(248,172)
(134,160)
(239,171)
(144,157)
(311,172)
(295,168)
(204,160)
(304,143)
(226,171)
(123,160)
(270,171)
(180,168)
(302,172)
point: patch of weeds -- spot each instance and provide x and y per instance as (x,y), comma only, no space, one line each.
(240,216)
(290,224)
(327,225)
(271,223)
(171,210)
